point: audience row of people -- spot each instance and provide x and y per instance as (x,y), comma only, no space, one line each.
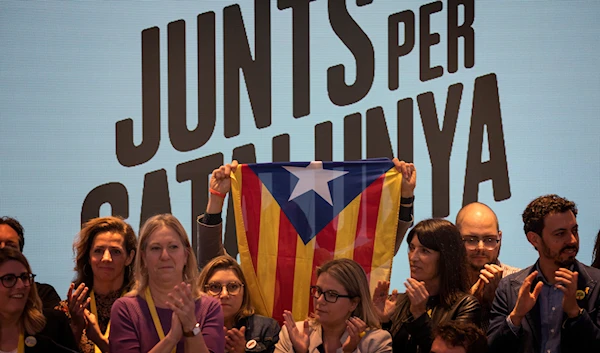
(148,295)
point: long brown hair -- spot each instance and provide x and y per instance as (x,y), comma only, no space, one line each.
(226,262)
(32,317)
(85,240)
(444,237)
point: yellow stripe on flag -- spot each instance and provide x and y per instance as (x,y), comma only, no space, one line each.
(385,232)
(302,276)
(346,230)
(268,247)
(256,294)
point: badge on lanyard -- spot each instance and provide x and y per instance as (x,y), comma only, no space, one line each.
(30,341)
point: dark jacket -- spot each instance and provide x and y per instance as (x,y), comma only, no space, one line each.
(48,295)
(411,335)
(581,334)
(56,337)
(263,330)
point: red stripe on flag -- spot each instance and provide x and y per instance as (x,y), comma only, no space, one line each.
(324,250)
(367,223)
(286,263)
(251,207)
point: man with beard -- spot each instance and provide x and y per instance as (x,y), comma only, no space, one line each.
(552,306)
(478,226)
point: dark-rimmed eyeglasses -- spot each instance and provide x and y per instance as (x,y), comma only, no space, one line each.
(10,280)
(329,295)
(489,243)
(215,288)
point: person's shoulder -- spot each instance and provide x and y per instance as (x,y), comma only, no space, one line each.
(260,320)
(47,294)
(126,303)
(466,300)
(591,272)
(378,334)
(518,276)
(209,301)
(377,338)
(54,315)
(508,270)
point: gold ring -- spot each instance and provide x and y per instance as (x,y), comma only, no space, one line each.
(362,334)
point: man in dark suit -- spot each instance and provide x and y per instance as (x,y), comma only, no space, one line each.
(12,235)
(552,306)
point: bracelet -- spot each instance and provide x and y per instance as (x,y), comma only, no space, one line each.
(215,192)
(407,200)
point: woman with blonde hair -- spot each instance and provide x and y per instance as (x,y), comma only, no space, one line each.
(223,278)
(166,298)
(104,252)
(344,316)
(24,327)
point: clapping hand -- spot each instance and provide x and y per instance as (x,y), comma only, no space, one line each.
(566,281)
(418,295)
(526,299)
(300,339)
(384,303)
(485,287)
(355,328)
(181,301)
(77,301)
(235,340)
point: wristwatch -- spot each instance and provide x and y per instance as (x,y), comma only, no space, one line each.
(195,331)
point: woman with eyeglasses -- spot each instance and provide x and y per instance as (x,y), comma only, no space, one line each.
(245,331)
(344,317)
(104,253)
(166,311)
(436,292)
(24,325)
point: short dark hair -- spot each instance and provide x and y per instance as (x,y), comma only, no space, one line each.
(444,237)
(538,209)
(14,224)
(462,334)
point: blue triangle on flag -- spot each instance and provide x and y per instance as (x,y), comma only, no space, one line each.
(309,212)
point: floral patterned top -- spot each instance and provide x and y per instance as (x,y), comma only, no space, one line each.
(103,305)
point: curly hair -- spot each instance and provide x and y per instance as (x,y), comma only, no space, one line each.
(226,262)
(32,317)
(462,334)
(85,240)
(538,209)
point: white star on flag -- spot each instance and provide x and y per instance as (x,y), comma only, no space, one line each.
(313,177)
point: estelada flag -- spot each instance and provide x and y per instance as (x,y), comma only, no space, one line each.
(292,217)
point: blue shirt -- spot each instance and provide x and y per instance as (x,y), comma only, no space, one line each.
(551,315)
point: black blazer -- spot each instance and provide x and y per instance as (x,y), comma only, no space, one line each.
(56,337)
(577,335)
(411,335)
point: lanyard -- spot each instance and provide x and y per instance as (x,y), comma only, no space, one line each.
(95,312)
(21,344)
(155,318)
